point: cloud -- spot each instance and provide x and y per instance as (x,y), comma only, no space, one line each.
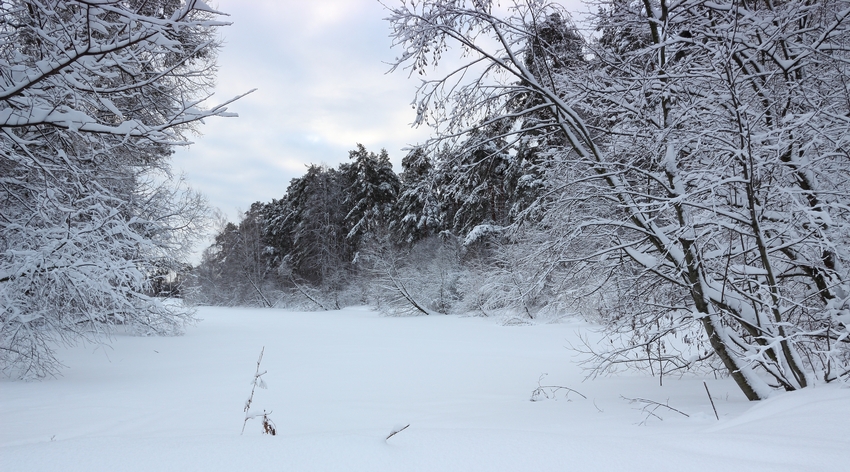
(320,68)
(320,71)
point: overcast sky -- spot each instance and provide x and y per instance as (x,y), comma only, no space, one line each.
(320,70)
(320,67)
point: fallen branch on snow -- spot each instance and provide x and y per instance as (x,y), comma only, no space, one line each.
(396,431)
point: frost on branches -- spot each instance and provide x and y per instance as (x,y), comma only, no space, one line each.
(93,96)
(696,162)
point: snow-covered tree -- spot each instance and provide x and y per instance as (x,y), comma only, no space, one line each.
(373,191)
(278,228)
(239,268)
(217,278)
(484,181)
(299,244)
(420,279)
(417,212)
(321,252)
(696,156)
(93,97)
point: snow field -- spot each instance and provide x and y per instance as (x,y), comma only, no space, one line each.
(340,382)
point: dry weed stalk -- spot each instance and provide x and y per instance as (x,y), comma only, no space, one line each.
(651,406)
(551,391)
(268,424)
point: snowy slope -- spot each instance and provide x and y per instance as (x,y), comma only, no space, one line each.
(340,382)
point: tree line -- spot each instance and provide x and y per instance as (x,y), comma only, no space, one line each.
(337,232)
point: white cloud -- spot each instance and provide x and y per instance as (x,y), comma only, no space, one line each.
(320,70)
(320,73)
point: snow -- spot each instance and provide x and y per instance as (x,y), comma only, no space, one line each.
(480,231)
(202,6)
(646,260)
(746,270)
(340,382)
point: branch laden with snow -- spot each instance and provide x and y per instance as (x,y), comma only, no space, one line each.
(93,95)
(695,159)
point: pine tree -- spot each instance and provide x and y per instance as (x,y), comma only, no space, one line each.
(484,181)
(417,213)
(373,192)
(321,253)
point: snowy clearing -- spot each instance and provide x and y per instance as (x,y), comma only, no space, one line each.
(340,382)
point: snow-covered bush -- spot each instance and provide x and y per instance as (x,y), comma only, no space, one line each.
(420,280)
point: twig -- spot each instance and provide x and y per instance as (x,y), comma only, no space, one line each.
(651,406)
(549,391)
(711,400)
(396,431)
(600,410)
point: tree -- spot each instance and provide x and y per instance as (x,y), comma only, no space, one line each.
(420,279)
(373,191)
(321,251)
(93,97)
(216,276)
(239,268)
(700,167)
(417,212)
(485,181)
(305,242)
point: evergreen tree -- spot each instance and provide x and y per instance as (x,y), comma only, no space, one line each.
(372,193)
(417,213)
(278,229)
(320,253)
(482,181)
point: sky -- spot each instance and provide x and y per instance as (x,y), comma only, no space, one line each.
(320,68)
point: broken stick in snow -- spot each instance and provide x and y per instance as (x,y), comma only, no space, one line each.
(711,400)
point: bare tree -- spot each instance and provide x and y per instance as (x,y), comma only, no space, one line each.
(422,279)
(93,97)
(698,153)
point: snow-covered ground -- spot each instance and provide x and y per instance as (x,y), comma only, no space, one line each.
(340,382)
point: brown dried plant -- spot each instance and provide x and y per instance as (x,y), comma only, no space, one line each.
(268,424)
